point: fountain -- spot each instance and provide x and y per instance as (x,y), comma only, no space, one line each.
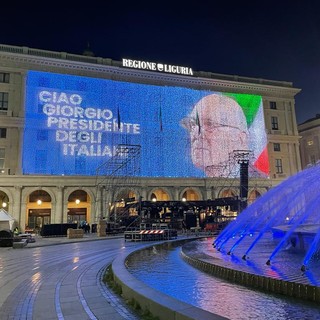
(287,218)
(273,247)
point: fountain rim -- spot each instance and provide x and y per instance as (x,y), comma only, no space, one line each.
(158,303)
(263,283)
(305,229)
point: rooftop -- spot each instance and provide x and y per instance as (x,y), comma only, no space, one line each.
(88,57)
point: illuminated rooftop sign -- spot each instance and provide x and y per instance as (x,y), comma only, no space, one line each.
(153,66)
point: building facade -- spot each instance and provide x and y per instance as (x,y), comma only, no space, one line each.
(310,141)
(79,133)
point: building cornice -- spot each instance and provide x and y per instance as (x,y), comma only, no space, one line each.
(309,124)
(59,62)
(11,122)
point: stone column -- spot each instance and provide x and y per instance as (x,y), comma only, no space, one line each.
(59,205)
(103,210)
(298,158)
(208,194)
(64,211)
(176,192)
(101,228)
(20,130)
(98,205)
(23,211)
(19,164)
(144,194)
(16,210)
(106,213)
(288,125)
(213,194)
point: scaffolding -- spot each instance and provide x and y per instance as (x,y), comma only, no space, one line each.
(120,172)
(240,165)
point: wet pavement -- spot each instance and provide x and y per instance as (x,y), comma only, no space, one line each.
(61,278)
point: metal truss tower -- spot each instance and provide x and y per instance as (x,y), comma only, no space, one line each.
(238,166)
(120,172)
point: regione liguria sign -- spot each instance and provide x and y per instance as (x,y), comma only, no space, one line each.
(153,66)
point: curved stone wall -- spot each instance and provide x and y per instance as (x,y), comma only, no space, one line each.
(158,303)
(263,283)
(168,308)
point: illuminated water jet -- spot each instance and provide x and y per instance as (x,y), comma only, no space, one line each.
(288,216)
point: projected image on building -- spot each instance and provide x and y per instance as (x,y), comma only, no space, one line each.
(75,124)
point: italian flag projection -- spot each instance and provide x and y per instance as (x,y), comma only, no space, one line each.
(253,111)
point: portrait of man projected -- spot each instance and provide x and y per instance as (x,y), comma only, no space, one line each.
(218,129)
(75,124)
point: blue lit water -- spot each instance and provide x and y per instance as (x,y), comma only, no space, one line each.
(286,265)
(291,208)
(162,268)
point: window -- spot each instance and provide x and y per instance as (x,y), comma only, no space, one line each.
(274,123)
(279,166)
(310,142)
(2,154)
(44,82)
(81,86)
(3,133)
(80,164)
(276,147)
(313,159)
(42,135)
(3,100)
(273,105)
(4,77)
(41,160)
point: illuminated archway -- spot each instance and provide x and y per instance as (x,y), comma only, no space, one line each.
(78,206)
(159,195)
(4,201)
(124,204)
(124,194)
(38,210)
(227,193)
(253,195)
(190,194)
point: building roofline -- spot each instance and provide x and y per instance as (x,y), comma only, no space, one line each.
(316,117)
(114,63)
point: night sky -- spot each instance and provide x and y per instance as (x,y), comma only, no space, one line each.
(276,40)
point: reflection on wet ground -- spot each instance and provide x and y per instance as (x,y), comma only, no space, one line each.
(163,269)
